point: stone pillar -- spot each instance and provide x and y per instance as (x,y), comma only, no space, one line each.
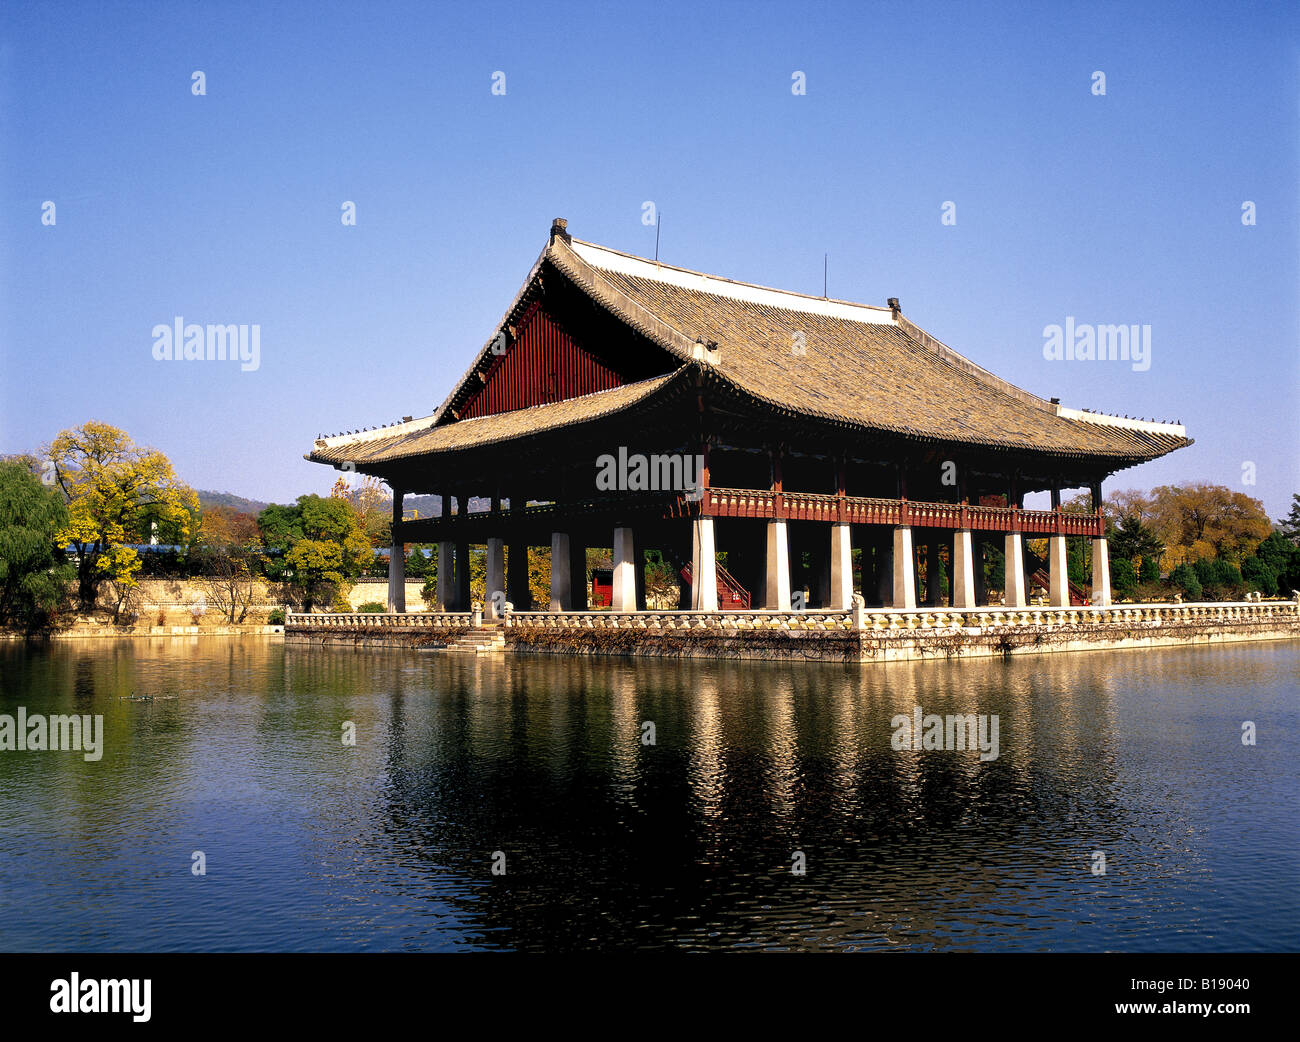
(704,566)
(1059,572)
(578,588)
(776,571)
(963,570)
(496,578)
(1100,573)
(841,598)
(904,593)
(462,577)
(1013,587)
(561,573)
(397,560)
(624,571)
(447,576)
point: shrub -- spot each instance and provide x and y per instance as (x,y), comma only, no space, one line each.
(373,608)
(1150,570)
(1259,576)
(1219,579)
(275,617)
(1184,578)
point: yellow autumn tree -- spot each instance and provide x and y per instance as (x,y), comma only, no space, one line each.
(1200,521)
(117,493)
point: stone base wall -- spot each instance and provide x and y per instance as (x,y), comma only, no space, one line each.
(855,635)
(886,647)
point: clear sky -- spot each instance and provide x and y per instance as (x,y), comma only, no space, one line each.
(1122,208)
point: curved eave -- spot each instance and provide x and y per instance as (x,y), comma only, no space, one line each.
(499,428)
(1161,444)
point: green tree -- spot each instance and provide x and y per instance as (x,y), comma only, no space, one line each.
(1283,557)
(281,527)
(1184,578)
(33,574)
(333,550)
(1134,539)
(1149,572)
(1123,577)
(1291,523)
(1259,576)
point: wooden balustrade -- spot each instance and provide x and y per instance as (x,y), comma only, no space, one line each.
(863,510)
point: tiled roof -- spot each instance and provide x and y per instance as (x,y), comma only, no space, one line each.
(376,447)
(852,364)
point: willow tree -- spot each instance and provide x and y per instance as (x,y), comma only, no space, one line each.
(117,493)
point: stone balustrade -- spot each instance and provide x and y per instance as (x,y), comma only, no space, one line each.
(379,621)
(867,620)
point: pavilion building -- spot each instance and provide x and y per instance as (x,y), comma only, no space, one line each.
(627,403)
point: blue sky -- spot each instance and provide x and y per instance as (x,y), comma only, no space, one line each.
(225,208)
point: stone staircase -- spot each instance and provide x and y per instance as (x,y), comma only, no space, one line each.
(487,640)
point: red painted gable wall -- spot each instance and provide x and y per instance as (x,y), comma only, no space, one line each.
(544,364)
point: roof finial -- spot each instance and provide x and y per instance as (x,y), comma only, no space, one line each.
(560,229)
(893,307)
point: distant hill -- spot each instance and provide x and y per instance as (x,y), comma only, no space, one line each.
(431,506)
(412,506)
(421,506)
(209,499)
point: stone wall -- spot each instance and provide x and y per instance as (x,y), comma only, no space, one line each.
(857,635)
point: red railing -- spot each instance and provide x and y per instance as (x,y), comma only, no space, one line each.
(808,506)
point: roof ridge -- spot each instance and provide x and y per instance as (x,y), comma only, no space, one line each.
(726,281)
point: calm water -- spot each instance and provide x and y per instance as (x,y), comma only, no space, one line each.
(611,843)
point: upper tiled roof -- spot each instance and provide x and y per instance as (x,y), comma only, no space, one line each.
(863,366)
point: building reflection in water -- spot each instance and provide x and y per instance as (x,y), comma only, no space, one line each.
(689,840)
